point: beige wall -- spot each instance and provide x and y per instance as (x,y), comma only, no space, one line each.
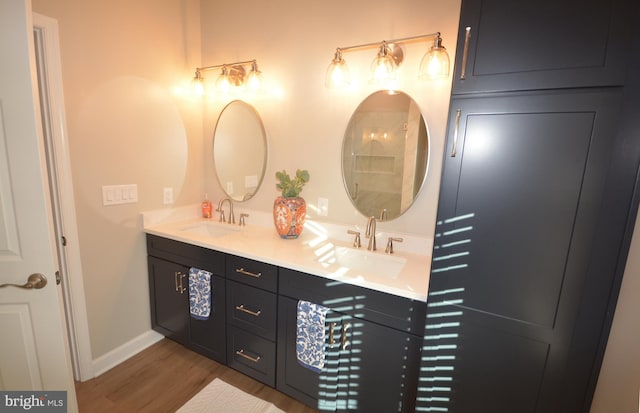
(121,62)
(619,381)
(294,43)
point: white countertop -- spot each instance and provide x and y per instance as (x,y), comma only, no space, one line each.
(309,253)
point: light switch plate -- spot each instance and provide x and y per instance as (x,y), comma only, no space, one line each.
(323,207)
(119,194)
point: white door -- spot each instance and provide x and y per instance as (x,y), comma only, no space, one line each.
(33,353)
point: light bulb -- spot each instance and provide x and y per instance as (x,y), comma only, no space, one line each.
(383,67)
(223,83)
(435,63)
(337,75)
(197,85)
(254,78)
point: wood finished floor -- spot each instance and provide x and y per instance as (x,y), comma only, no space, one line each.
(162,378)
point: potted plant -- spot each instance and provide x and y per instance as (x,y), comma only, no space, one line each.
(289,209)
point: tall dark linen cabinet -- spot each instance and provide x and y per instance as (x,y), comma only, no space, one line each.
(536,206)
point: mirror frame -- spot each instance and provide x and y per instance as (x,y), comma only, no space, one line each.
(258,119)
(423,124)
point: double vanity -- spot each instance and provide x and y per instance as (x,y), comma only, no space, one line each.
(376,301)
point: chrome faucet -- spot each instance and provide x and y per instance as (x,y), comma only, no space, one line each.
(371,233)
(232,218)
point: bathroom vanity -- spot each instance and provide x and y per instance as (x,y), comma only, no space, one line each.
(374,324)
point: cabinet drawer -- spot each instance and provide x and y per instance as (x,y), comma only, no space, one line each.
(186,254)
(254,273)
(252,309)
(251,355)
(387,309)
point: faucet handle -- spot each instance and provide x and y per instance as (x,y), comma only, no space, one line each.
(221,211)
(356,241)
(389,249)
(242,217)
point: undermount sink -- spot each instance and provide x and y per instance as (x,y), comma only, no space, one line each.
(365,262)
(210,229)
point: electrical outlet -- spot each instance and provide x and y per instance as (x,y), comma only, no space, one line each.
(167,196)
(323,207)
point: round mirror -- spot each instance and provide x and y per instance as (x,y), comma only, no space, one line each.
(239,150)
(385,154)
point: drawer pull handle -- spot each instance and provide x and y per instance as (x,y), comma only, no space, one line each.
(456,128)
(465,53)
(246,310)
(178,276)
(345,343)
(241,353)
(332,340)
(250,274)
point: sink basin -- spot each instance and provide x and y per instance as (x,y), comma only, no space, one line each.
(210,229)
(364,262)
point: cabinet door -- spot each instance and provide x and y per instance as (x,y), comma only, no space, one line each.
(368,368)
(383,366)
(517,219)
(169,302)
(298,382)
(208,336)
(541,44)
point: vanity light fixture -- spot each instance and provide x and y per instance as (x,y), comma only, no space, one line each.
(434,64)
(231,75)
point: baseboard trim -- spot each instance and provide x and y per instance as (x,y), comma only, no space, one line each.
(129,349)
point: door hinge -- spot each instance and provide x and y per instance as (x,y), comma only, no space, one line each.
(64,241)
(57,277)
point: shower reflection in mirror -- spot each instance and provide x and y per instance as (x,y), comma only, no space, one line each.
(385,154)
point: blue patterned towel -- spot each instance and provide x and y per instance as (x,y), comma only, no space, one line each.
(310,335)
(199,293)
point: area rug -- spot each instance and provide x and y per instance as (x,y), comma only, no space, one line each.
(221,397)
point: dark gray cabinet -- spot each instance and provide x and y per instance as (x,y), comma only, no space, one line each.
(169,303)
(252,317)
(374,339)
(531,45)
(535,207)
(169,263)
(369,366)
(518,210)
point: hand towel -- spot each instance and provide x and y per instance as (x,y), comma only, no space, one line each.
(199,293)
(310,335)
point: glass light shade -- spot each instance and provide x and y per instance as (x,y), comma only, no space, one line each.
(383,67)
(223,83)
(254,78)
(435,63)
(197,85)
(337,75)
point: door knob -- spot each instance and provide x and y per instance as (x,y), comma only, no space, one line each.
(35,281)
